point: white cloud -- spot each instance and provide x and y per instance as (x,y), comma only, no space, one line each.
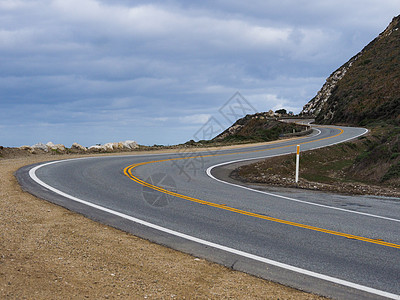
(10,39)
(264,36)
(195,119)
(265,102)
(162,119)
(172,29)
(12,5)
(312,44)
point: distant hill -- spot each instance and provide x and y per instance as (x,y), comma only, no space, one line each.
(259,127)
(365,89)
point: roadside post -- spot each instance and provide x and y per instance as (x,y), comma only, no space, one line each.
(297,163)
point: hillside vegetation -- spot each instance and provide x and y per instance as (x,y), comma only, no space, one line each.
(370,89)
(258,128)
(368,95)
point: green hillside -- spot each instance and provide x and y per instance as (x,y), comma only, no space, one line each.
(366,92)
(370,89)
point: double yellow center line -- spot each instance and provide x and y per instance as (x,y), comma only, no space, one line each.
(128,172)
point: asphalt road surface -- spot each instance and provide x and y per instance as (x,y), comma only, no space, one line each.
(346,247)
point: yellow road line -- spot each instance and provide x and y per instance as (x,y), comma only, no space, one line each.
(128,173)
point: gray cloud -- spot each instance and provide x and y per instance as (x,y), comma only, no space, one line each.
(98,69)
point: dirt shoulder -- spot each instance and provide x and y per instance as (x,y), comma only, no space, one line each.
(48,252)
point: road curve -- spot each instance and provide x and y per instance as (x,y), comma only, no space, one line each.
(340,246)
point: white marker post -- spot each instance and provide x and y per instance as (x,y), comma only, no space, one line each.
(297,163)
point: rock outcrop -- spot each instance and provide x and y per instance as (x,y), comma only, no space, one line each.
(364,89)
(130,144)
(25,147)
(315,105)
(41,147)
(57,147)
(110,147)
(95,148)
(76,146)
(365,92)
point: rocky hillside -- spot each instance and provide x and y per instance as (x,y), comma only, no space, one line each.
(366,88)
(365,91)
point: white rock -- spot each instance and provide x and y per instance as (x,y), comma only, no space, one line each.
(109,146)
(114,146)
(119,145)
(130,144)
(59,147)
(95,148)
(76,146)
(40,146)
(29,148)
(270,113)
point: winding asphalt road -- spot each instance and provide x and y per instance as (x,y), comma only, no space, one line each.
(346,247)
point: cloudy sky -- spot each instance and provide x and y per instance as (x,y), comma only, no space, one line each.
(96,71)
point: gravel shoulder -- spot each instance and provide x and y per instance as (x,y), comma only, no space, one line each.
(48,252)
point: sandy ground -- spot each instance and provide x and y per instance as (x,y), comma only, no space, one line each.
(48,252)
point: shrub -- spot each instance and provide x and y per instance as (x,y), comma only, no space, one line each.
(393,172)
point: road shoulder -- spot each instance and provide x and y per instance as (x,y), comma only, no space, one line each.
(66,254)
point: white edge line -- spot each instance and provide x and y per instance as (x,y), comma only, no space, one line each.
(32,174)
(208,172)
